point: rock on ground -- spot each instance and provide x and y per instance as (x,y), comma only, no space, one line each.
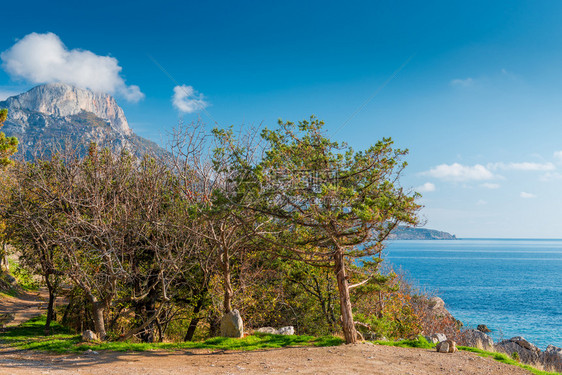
(88,335)
(289,330)
(447,346)
(232,324)
(476,339)
(436,338)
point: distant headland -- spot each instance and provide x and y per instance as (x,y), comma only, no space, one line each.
(408,233)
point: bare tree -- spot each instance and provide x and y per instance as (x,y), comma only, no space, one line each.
(211,166)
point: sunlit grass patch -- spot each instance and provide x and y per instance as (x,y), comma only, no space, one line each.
(420,342)
(504,358)
(30,335)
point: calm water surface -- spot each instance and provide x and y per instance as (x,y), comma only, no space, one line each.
(512,286)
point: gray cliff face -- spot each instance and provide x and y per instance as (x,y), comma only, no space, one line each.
(62,100)
(60,116)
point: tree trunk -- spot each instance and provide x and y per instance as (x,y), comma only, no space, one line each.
(193,323)
(349,331)
(228,292)
(4,257)
(97,311)
(51,306)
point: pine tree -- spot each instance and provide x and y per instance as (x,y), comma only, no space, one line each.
(8,145)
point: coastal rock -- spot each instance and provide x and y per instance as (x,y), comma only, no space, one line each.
(232,325)
(289,330)
(436,308)
(552,358)
(88,336)
(527,352)
(524,343)
(476,339)
(436,303)
(447,346)
(483,328)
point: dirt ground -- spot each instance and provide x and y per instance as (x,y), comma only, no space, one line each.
(26,306)
(345,359)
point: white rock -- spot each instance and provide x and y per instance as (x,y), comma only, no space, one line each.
(232,324)
(289,330)
(88,335)
(270,330)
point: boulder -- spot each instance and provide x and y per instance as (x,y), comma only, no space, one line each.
(436,308)
(524,343)
(442,347)
(552,358)
(439,337)
(436,303)
(88,336)
(476,339)
(288,330)
(270,330)
(527,352)
(232,325)
(447,346)
(483,328)
(436,338)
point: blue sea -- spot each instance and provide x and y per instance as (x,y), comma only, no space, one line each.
(512,286)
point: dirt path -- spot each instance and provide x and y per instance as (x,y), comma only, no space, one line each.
(24,307)
(345,359)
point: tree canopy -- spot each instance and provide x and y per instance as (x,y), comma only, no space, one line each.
(8,145)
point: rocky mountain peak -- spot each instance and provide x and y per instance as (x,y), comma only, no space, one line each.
(61,100)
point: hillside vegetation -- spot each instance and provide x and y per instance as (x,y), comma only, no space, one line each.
(284,227)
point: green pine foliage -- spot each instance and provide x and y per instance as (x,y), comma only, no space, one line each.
(8,145)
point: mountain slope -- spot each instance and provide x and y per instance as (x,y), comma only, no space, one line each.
(58,115)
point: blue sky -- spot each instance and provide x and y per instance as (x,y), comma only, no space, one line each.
(478,104)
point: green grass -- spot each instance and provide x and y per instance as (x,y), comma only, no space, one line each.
(501,357)
(421,342)
(29,335)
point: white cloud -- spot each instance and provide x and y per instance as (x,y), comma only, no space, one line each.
(43,58)
(551,176)
(489,185)
(187,100)
(525,166)
(558,156)
(467,82)
(459,172)
(481,202)
(427,187)
(527,195)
